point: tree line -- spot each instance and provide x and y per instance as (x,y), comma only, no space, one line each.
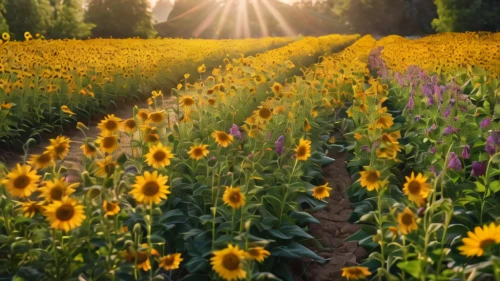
(187,18)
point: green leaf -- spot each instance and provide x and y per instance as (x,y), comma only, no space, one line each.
(411,267)
(197,265)
(196,277)
(157,239)
(303,217)
(480,187)
(495,186)
(296,250)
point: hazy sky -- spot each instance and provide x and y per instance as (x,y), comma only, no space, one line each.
(286,1)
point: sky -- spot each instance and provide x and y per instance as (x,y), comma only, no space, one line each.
(153,2)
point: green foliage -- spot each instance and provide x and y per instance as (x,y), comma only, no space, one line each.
(467,15)
(27,15)
(4,27)
(68,21)
(120,18)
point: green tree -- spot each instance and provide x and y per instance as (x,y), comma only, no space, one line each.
(67,21)
(28,15)
(120,18)
(467,15)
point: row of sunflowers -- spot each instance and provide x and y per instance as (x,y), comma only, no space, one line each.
(46,84)
(425,156)
(213,188)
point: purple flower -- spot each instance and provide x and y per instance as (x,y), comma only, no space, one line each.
(454,162)
(433,149)
(486,121)
(465,152)
(235,131)
(447,112)
(448,130)
(411,103)
(432,128)
(280,143)
(479,168)
(418,117)
(490,145)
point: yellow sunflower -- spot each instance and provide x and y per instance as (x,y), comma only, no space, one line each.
(322,191)
(66,110)
(384,122)
(142,115)
(42,161)
(106,167)
(386,153)
(202,69)
(129,125)
(110,124)
(141,258)
(233,197)
(228,263)
(303,150)
(159,156)
(276,88)
(416,188)
(198,152)
(88,149)
(187,101)
(407,222)
(150,188)
(157,116)
(21,181)
(57,189)
(307,126)
(264,113)
(108,143)
(370,179)
(30,208)
(479,240)
(355,272)
(66,214)
(59,147)
(110,208)
(222,138)
(258,253)
(170,262)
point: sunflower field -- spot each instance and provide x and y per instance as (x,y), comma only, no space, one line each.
(223,184)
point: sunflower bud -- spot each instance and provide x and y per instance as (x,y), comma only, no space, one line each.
(137,228)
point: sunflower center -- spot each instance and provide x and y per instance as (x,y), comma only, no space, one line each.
(22,181)
(130,124)
(111,125)
(109,142)
(301,151)
(152,138)
(156,117)
(110,207)
(320,189)
(487,242)
(355,271)
(150,188)
(254,252)
(407,219)
(276,88)
(223,137)
(372,177)
(414,187)
(44,158)
(235,197)
(168,261)
(231,261)
(56,193)
(198,152)
(188,101)
(142,257)
(65,212)
(159,155)
(59,149)
(142,115)
(264,113)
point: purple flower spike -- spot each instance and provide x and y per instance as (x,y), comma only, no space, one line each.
(490,145)
(280,143)
(448,130)
(486,121)
(235,131)
(465,152)
(454,162)
(479,168)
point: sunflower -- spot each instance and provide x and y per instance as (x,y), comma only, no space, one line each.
(303,150)
(30,208)
(150,188)
(66,110)
(355,272)
(307,125)
(110,208)
(21,181)
(211,101)
(187,101)
(88,149)
(276,88)
(407,222)
(370,179)
(322,191)
(57,189)
(479,240)
(170,262)
(198,152)
(59,147)
(228,263)
(264,113)
(157,116)
(159,156)
(384,122)
(110,124)
(416,188)
(233,197)
(141,258)
(129,125)
(386,153)
(222,138)
(258,253)
(66,214)
(106,167)
(42,161)
(108,143)
(202,69)
(142,115)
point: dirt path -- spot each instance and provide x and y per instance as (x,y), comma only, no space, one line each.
(334,228)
